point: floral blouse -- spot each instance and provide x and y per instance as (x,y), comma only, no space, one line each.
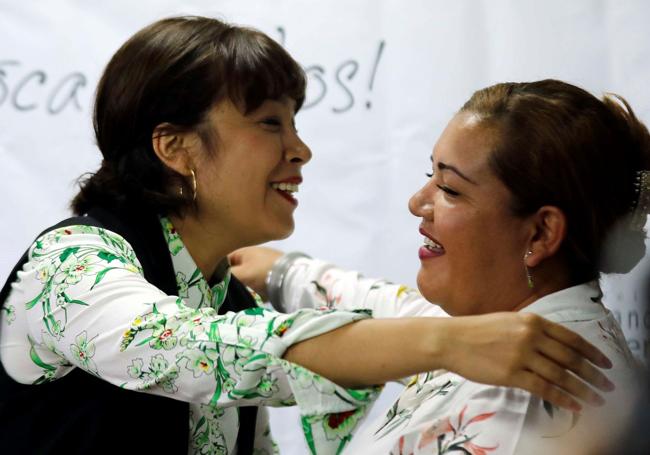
(441,412)
(81,301)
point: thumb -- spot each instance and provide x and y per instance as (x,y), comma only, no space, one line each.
(235,259)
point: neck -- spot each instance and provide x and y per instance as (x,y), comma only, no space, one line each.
(208,247)
(549,277)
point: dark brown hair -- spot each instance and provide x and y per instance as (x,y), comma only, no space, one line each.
(174,71)
(559,145)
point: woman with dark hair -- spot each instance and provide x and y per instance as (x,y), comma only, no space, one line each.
(531,184)
(195,122)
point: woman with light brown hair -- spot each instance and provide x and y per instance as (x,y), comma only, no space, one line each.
(532,184)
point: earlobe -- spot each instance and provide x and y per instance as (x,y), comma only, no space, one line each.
(549,233)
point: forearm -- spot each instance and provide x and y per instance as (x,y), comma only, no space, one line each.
(511,349)
(373,352)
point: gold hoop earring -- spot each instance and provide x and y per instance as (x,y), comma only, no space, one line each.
(529,276)
(193,185)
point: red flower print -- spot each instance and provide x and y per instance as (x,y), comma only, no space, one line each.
(453,438)
(478,450)
(336,420)
(432,433)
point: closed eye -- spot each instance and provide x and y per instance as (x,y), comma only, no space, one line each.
(448,190)
(271,122)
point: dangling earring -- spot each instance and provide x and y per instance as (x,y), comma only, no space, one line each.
(180,190)
(193,185)
(529,277)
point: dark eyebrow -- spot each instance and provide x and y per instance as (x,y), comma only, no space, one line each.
(442,166)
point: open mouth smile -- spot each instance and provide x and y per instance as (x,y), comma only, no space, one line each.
(287,188)
(431,248)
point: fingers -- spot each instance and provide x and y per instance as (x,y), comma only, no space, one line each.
(235,258)
(577,343)
(538,386)
(565,357)
(560,378)
(560,365)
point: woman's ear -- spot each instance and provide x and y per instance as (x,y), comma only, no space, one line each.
(173,148)
(549,231)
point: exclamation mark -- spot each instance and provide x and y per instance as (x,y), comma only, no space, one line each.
(282,35)
(380,51)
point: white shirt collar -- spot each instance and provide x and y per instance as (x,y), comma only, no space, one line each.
(577,303)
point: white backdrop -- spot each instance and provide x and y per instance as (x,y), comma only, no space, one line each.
(385,76)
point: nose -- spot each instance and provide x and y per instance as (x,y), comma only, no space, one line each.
(421,203)
(297,151)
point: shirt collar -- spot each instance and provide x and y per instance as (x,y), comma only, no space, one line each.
(192,285)
(577,303)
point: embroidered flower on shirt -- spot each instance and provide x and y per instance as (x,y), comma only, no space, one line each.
(325,295)
(83,350)
(159,373)
(73,268)
(199,361)
(447,435)
(181,282)
(267,386)
(174,241)
(205,430)
(341,424)
(135,369)
(10,313)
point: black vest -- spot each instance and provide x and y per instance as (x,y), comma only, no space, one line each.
(81,414)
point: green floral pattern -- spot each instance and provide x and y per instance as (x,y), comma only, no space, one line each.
(10,313)
(83,351)
(88,306)
(158,372)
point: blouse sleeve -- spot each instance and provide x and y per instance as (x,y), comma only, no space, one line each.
(82,301)
(312,283)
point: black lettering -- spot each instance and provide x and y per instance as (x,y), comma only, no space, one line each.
(354,67)
(316,72)
(40,76)
(68,88)
(633,315)
(283,36)
(4,89)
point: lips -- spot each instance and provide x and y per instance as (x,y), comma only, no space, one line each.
(432,248)
(287,187)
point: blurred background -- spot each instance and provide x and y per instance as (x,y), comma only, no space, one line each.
(384,79)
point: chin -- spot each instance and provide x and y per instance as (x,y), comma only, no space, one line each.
(436,295)
(282,232)
(427,288)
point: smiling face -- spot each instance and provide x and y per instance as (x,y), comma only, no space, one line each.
(472,257)
(245,186)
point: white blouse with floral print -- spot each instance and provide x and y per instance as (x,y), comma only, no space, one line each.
(441,412)
(81,301)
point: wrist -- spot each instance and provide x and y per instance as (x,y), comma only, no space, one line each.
(437,346)
(276,276)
